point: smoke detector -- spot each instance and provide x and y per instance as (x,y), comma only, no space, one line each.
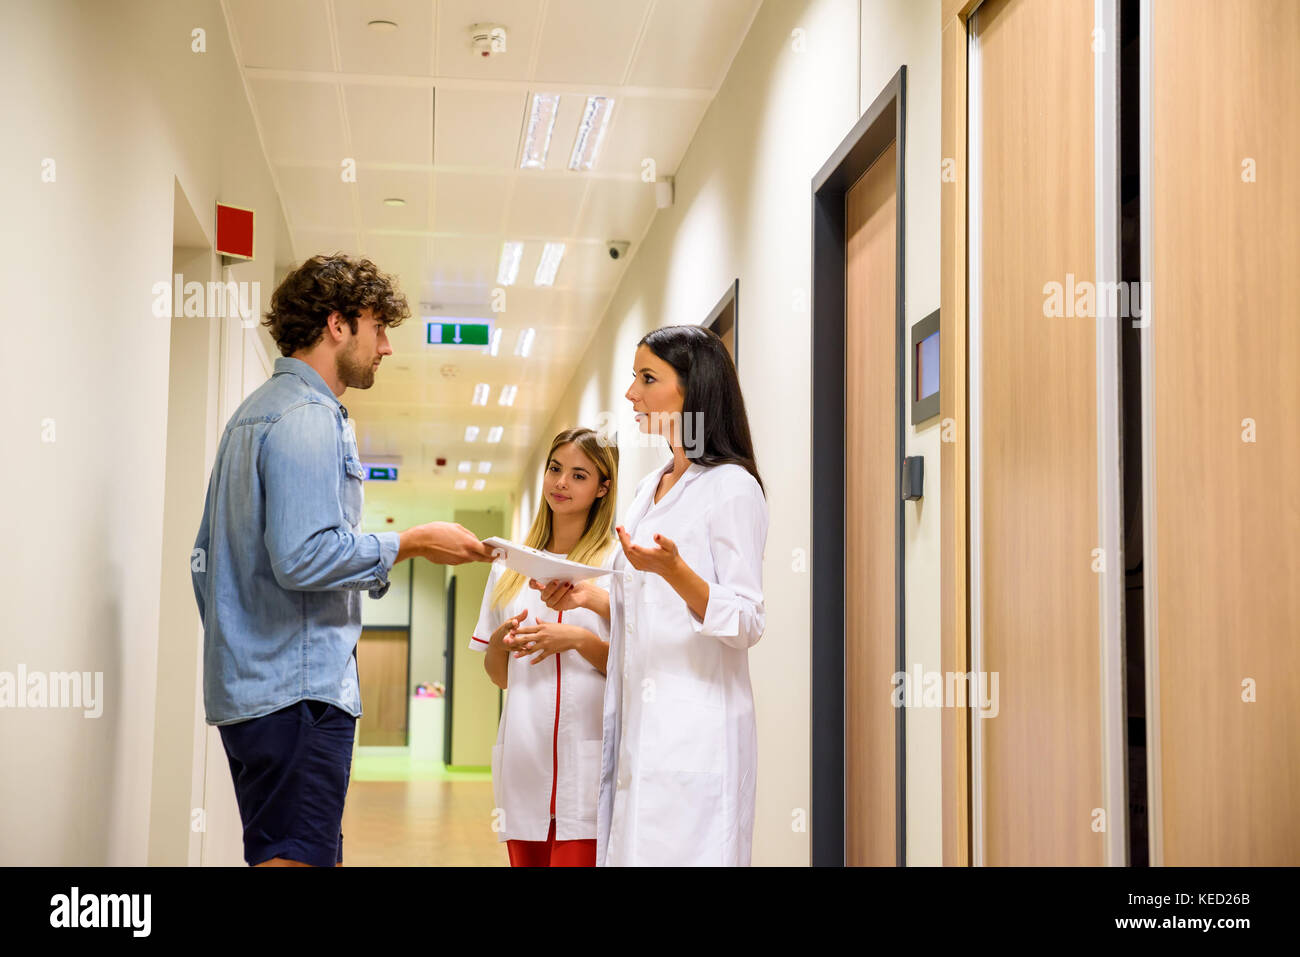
(488,39)
(450,371)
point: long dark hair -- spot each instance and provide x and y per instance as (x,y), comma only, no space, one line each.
(712,389)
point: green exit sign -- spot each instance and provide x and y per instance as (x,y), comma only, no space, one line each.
(452,332)
(381,473)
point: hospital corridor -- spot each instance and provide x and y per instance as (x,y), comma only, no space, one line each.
(800,434)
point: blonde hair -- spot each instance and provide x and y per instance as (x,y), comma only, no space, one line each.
(597,537)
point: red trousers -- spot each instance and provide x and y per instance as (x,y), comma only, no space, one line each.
(552,853)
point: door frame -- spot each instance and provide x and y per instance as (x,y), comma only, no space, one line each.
(715,324)
(882,124)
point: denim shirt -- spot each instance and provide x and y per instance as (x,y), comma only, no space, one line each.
(280,561)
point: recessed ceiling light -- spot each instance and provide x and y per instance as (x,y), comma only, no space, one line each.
(459,485)
(496,342)
(524,344)
(394,201)
(479,485)
(464,466)
(382,26)
(537,136)
(591,132)
(494,433)
(549,265)
(508,395)
(481,394)
(485,467)
(471,433)
(507,272)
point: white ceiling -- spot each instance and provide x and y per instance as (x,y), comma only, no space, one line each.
(429,120)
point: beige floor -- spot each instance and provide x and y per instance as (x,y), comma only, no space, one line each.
(420,824)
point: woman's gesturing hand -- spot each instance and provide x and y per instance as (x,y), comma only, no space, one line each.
(544,639)
(507,628)
(563,596)
(663,559)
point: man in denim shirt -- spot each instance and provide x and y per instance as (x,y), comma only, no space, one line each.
(280,562)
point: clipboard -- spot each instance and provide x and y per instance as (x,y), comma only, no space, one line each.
(536,564)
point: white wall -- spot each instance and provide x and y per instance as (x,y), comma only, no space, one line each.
(895,32)
(743,209)
(113,94)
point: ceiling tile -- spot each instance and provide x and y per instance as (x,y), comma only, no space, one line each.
(588,41)
(463,261)
(286,35)
(469,203)
(691,43)
(478,128)
(457,58)
(377,185)
(408,50)
(647,128)
(300,121)
(544,206)
(390,124)
(316,197)
(313,242)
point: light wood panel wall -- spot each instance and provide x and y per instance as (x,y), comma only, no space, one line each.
(871,509)
(1226,281)
(1038,446)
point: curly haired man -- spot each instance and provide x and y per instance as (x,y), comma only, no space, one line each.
(284,563)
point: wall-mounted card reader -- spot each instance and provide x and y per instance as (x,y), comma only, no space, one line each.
(913,477)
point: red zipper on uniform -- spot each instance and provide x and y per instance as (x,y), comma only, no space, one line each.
(555,736)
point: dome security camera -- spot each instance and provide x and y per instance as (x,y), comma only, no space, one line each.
(617,249)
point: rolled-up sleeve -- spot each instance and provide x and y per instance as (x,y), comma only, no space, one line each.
(311,544)
(199,556)
(735,614)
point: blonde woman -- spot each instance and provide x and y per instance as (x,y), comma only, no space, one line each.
(546,763)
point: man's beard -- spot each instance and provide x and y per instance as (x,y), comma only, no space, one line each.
(353,373)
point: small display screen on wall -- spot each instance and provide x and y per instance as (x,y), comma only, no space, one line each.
(927,366)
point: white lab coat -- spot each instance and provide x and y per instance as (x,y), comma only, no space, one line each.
(680,747)
(546,740)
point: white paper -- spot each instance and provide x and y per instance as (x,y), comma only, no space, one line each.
(544,568)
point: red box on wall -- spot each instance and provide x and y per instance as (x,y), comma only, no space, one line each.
(234,231)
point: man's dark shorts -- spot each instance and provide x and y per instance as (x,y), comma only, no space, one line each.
(291,771)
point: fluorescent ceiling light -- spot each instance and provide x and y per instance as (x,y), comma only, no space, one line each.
(507,272)
(496,342)
(481,393)
(508,395)
(537,135)
(485,467)
(459,485)
(479,484)
(464,466)
(494,433)
(591,132)
(471,433)
(552,253)
(524,344)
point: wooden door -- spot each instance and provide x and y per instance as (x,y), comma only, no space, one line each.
(1225,346)
(382,657)
(1034,444)
(871,513)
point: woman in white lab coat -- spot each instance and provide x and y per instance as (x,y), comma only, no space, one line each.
(680,749)
(546,763)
